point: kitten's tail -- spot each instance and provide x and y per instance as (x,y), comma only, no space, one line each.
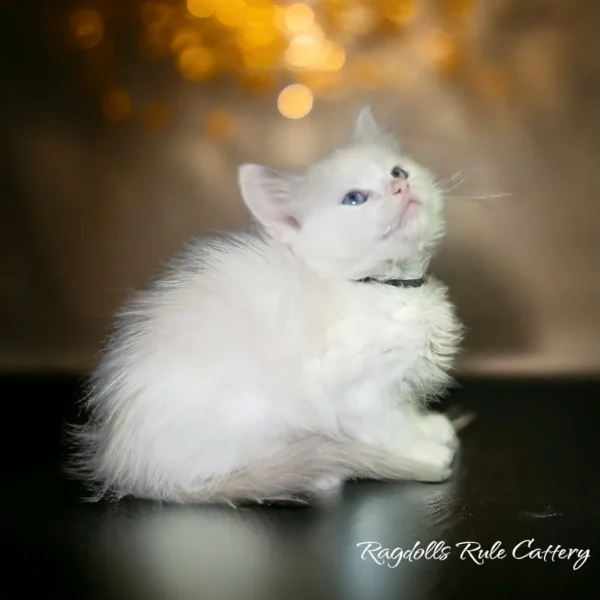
(294,472)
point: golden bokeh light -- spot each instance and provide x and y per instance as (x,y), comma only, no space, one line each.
(322,46)
(231,13)
(279,18)
(87,27)
(257,34)
(304,51)
(196,63)
(298,17)
(116,105)
(295,101)
(356,18)
(399,11)
(202,8)
(259,28)
(439,51)
(220,125)
(314,32)
(334,57)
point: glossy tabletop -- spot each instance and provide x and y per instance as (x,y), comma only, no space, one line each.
(519,519)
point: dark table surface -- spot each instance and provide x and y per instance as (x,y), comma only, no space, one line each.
(528,470)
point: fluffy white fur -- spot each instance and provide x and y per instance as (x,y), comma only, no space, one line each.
(258,367)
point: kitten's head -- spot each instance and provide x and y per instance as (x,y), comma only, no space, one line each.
(364,210)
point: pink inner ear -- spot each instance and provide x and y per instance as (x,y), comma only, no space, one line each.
(292,222)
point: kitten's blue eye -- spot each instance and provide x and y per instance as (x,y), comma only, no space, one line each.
(354,198)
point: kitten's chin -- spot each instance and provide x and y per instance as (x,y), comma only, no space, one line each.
(412,209)
(407,220)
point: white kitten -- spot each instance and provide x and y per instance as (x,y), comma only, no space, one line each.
(261,367)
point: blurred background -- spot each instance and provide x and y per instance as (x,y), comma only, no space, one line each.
(123,122)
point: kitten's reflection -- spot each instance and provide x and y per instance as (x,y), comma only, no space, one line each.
(176,551)
(393,516)
(164,551)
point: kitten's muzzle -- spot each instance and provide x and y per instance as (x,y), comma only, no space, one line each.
(399,186)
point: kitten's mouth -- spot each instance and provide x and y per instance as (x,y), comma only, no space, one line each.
(409,206)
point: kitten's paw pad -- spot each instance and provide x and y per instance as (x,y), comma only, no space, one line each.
(434,461)
(439,428)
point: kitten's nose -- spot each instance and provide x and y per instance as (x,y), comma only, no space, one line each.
(399,186)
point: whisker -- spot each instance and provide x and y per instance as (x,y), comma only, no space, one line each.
(457,174)
(453,187)
(489,197)
(444,182)
(457,180)
(207,230)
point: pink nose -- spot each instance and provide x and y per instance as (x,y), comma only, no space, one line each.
(399,186)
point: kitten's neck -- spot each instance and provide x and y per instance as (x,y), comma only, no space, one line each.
(405,269)
(412,268)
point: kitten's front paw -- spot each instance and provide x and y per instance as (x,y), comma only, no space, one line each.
(438,428)
(433,460)
(328,485)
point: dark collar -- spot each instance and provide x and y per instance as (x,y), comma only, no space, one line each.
(406,283)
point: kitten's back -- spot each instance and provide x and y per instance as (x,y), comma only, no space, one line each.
(216,340)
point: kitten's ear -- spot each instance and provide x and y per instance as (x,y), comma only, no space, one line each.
(267,193)
(366,129)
